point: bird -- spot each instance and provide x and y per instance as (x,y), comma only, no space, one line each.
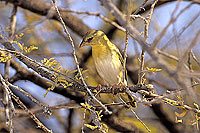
(107,57)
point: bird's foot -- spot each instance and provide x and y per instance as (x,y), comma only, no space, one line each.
(120,86)
(99,87)
(117,88)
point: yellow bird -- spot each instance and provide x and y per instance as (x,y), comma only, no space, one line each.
(107,58)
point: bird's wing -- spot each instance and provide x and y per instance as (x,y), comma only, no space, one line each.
(121,60)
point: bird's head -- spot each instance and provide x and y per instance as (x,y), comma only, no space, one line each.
(93,38)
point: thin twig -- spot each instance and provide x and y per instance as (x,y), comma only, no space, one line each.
(10,109)
(164,97)
(193,43)
(139,16)
(20,112)
(83,124)
(125,57)
(140,8)
(170,56)
(13,22)
(32,25)
(172,20)
(45,107)
(148,18)
(131,108)
(9,113)
(146,28)
(129,2)
(190,65)
(195,58)
(31,114)
(107,20)
(181,32)
(36,66)
(137,117)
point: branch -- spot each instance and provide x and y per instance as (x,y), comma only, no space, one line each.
(42,8)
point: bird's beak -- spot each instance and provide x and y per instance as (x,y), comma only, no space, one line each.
(82,44)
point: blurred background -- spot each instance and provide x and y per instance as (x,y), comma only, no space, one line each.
(48,35)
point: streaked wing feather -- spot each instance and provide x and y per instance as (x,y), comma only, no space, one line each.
(121,60)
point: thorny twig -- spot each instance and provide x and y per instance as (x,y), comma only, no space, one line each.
(107,90)
(103,89)
(63,106)
(125,57)
(139,16)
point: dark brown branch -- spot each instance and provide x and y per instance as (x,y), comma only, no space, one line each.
(24,74)
(147,6)
(42,8)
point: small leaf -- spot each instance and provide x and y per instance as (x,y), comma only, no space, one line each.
(20,46)
(153,69)
(95,91)
(141,33)
(91,127)
(196,105)
(8,28)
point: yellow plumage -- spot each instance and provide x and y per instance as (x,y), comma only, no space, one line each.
(106,56)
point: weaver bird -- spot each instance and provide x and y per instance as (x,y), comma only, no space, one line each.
(107,58)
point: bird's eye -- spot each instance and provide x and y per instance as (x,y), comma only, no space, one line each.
(90,39)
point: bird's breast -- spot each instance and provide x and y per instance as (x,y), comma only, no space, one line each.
(108,67)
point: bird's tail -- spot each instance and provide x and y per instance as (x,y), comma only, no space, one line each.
(132,101)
